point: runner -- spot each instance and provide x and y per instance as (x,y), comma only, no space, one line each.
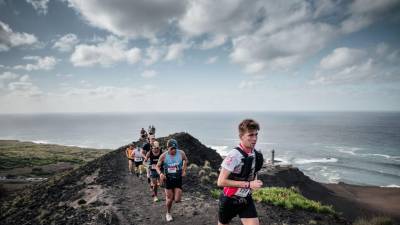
(128,152)
(153,157)
(174,162)
(238,177)
(145,149)
(143,134)
(138,159)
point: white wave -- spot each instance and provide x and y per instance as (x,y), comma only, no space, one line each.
(392,186)
(318,160)
(283,161)
(41,141)
(348,150)
(222,150)
(380,155)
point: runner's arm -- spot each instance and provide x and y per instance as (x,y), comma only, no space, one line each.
(185,162)
(147,157)
(159,163)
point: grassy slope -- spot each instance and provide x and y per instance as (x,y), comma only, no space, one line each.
(15,154)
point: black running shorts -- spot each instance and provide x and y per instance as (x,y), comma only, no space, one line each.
(173,182)
(229,207)
(154,174)
(138,163)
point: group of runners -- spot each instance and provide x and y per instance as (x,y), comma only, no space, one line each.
(161,168)
(237,177)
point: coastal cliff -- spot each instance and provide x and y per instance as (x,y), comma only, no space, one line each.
(103,192)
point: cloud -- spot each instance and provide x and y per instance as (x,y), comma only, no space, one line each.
(175,51)
(362,13)
(376,65)
(247,84)
(278,50)
(10,39)
(19,85)
(342,57)
(218,17)
(107,53)
(133,55)
(133,18)
(107,92)
(39,5)
(153,55)
(212,60)
(5,77)
(66,43)
(42,63)
(213,42)
(149,74)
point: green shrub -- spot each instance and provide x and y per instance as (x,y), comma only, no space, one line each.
(380,220)
(290,199)
(215,193)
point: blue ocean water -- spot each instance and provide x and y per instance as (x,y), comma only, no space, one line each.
(352,147)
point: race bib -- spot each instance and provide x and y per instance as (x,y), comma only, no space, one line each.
(138,159)
(242,192)
(153,166)
(172,169)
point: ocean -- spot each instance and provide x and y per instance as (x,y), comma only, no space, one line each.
(353,147)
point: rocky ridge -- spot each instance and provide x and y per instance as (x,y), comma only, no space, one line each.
(103,192)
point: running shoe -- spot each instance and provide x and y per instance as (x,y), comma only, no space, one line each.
(155,199)
(168,217)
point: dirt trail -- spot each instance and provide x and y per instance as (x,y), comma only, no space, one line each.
(132,203)
(128,200)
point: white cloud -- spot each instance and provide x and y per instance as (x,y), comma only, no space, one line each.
(153,54)
(42,63)
(133,18)
(247,84)
(365,12)
(107,53)
(9,38)
(6,77)
(278,50)
(133,55)
(361,66)
(213,42)
(175,51)
(218,17)
(149,74)
(107,92)
(18,85)
(212,60)
(66,43)
(342,57)
(39,5)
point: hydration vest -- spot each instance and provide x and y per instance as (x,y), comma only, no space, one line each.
(247,166)
(173,164)
(154,159)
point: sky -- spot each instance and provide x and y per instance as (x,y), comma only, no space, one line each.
(61,56)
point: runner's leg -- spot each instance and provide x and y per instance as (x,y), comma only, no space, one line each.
(169,197)
(250,221)
(177,194)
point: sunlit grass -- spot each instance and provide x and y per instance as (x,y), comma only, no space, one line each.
(289,199)
(15,154)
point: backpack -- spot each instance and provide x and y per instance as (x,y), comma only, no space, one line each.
(247,164)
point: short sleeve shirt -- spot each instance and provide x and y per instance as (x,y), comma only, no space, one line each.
(233,163)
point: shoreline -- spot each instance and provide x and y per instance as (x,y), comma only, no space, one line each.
(353,201)
(214,147)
